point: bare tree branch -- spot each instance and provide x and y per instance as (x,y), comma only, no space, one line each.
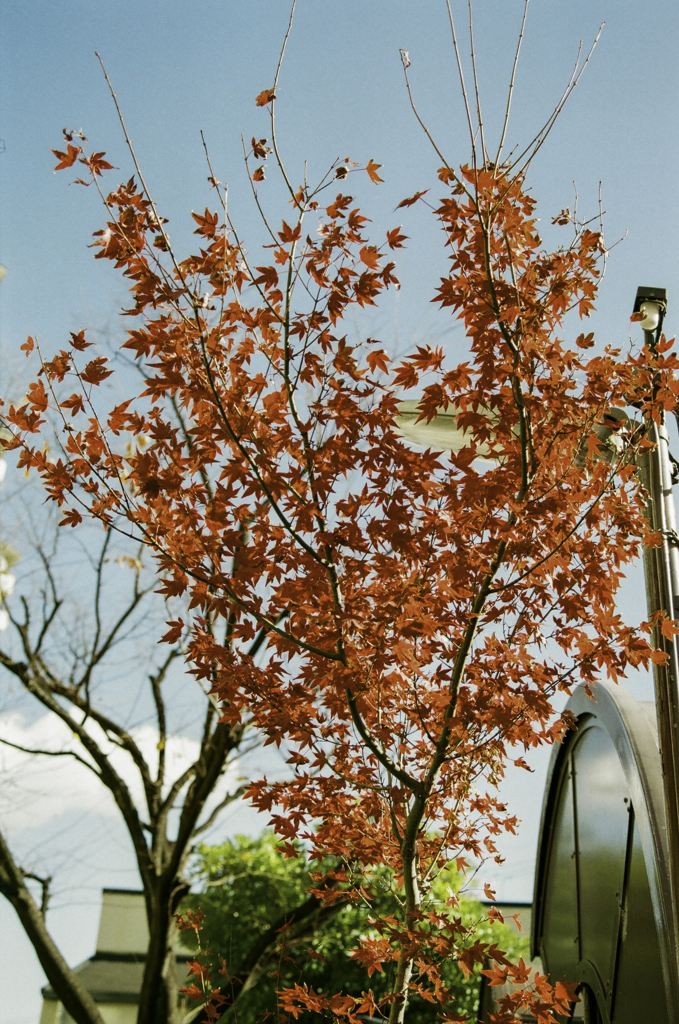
(45,886)
(228,799)
(76,999)
(51,753)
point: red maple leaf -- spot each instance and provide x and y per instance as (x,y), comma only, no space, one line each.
(265,97)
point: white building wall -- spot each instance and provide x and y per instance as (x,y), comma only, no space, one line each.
(113,1013)
(122,925)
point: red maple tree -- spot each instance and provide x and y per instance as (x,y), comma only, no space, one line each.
(421,609)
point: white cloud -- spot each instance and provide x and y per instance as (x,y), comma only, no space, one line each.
(35,789)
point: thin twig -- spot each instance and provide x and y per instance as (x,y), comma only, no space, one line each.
(465,97)
(453,174)
(228,799)
(272,236)
(139,172)
(538,141)
(272,106)
(224,199)
(45,886)
(510,91)
(50,753)
(477,94)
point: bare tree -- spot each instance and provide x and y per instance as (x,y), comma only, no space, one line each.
(63,653)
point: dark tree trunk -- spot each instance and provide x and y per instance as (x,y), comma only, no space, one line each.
(159,990)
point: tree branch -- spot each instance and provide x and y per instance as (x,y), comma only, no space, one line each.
(51,753)
(110,778)
(45,886)
(290,926)
(228,799)
(75,998)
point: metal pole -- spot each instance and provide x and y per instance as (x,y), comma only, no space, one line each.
(661,570)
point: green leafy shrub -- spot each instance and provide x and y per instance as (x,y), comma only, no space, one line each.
(246,885)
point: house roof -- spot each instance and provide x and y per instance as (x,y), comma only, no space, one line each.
(113,978)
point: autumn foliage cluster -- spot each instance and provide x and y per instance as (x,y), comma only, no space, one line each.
(420,610)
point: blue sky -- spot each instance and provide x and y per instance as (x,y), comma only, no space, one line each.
(180,66)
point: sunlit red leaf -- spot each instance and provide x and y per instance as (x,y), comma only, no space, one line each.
(37,396)
(174,632)
(370,256)
(289,234)
(372,168)
(260,148)
(96,163)
(78,341)
(71,518)
(95,371)
(669,629)
(395,238)
(207,223)
(377,359)
(265,97)
(75,404)
(68,158)
(412,199)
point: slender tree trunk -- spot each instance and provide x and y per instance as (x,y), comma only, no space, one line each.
(401,985)
(76,1000)
(413,901)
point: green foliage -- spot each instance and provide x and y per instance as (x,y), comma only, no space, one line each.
(247,884)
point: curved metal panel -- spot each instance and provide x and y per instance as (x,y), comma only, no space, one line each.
(602,825)
(639,984)
(560,902)
(602,868)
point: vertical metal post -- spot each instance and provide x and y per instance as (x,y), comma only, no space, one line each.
(661,570)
